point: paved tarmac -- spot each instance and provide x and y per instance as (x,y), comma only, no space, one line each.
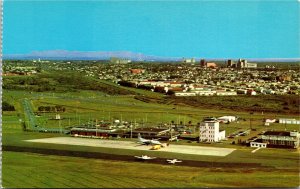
(183,149)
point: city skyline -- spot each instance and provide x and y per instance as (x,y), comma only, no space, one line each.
(260,29)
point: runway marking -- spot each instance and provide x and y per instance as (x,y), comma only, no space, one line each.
(253,151)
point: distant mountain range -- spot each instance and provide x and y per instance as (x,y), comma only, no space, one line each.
(105,55)
(79,55)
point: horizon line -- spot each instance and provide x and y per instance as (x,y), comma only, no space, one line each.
(130,53)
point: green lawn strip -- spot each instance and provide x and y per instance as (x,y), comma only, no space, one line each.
(42,177)
(78,181)
(18,177)
(74,171)
(95,181)
(103,180)
(252,179)
(29,168)
(8,182)
(56,180)
(62,175)
(127,182)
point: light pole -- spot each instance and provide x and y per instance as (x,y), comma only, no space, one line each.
(131,131)
(96,128)
(60,128)
(251,113)
(171,131)
(199,140)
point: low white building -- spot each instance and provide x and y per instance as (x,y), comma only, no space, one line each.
(188,60)
(270,120)
(205,93)
(255,144)
(160,83)
(250,65)
(57,116)
(227,119)
(226,93)
(289,121)
(281,139)
(210,132)
(185,94)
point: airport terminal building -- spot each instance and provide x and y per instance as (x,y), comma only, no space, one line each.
(278,139)
(210,132)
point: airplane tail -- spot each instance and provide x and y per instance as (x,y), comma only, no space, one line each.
(139,136)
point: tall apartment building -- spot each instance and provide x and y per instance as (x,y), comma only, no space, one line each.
(242,63)
(231,64)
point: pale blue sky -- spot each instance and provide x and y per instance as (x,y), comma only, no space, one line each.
(210,29)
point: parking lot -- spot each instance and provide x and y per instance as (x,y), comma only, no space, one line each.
(130,145)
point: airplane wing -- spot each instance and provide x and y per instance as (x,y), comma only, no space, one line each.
(155,142)
(144,142)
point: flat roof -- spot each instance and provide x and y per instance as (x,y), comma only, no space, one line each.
(149,129)
(290,119)
(278,133)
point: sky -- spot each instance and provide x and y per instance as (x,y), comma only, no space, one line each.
(208,29)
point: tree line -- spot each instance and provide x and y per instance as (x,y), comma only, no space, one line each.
(7,107)
(60,82)
(56,108)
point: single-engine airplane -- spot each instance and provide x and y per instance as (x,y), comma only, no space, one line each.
(144,157)
(173,161)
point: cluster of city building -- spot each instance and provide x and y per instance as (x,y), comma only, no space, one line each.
(180,79)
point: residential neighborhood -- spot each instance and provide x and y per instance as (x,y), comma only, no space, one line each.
(180,79)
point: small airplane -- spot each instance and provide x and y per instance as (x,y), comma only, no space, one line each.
(173,161)
(147,141)
(144,157)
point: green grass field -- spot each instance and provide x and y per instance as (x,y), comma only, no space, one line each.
(32,170)
(86,106)
(25,170)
